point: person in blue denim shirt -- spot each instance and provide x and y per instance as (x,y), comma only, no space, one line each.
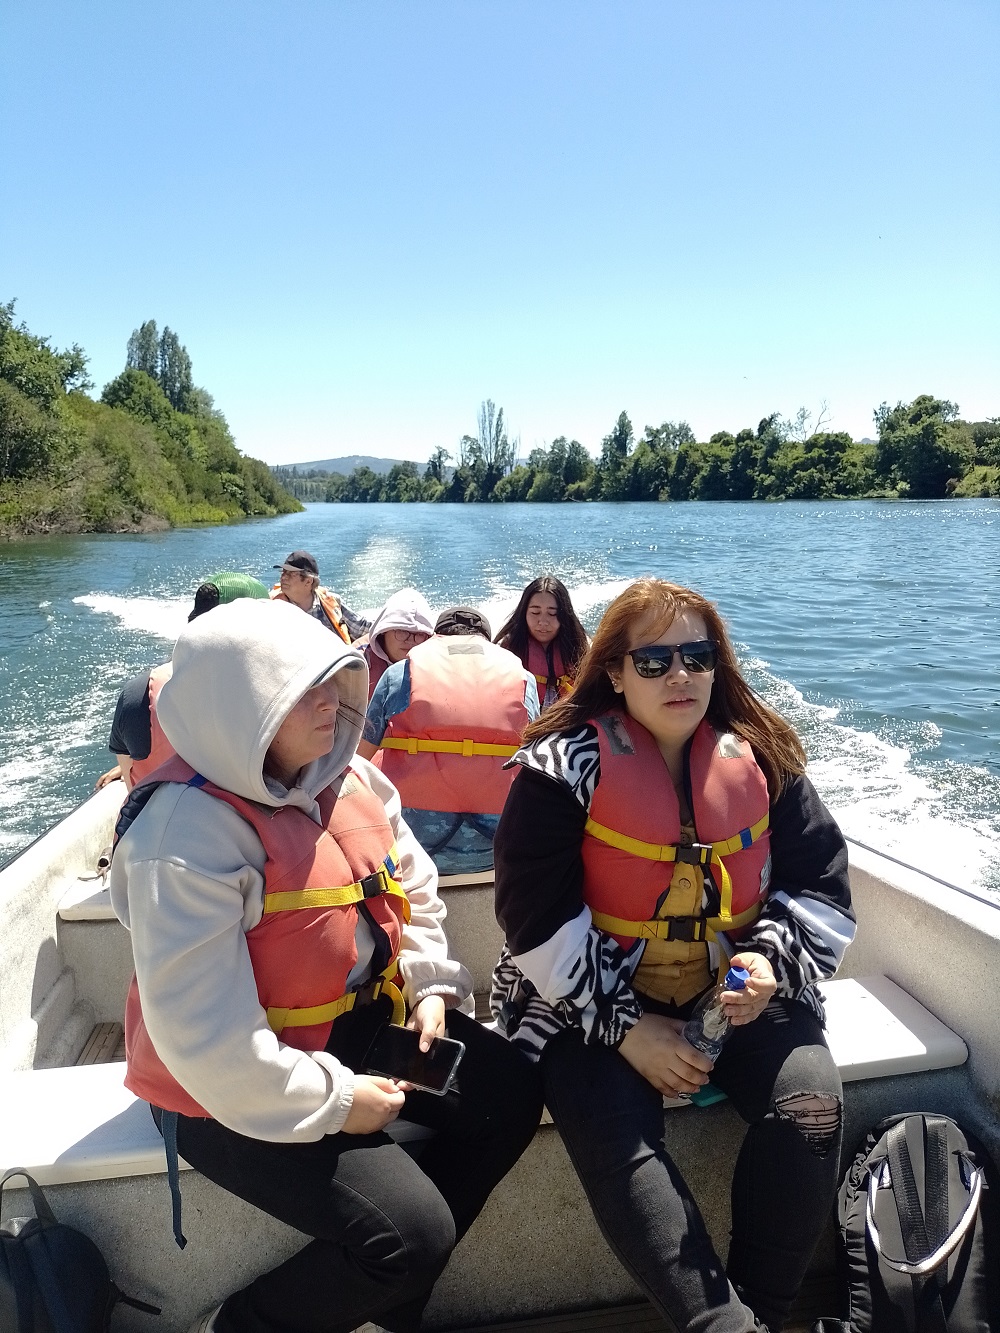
(459,842)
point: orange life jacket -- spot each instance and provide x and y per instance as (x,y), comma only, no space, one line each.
(632,837)
(317,879)
(538,665)
(160,749)
(330,603)
(446,751)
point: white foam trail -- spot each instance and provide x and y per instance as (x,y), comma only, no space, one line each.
(163,617)
(879,798)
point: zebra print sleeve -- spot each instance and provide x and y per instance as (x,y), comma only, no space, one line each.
(570,757)
(803,940)
(596,999)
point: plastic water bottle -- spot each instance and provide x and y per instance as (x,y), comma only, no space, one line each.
(708,1027)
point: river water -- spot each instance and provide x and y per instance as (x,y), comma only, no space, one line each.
(871,625)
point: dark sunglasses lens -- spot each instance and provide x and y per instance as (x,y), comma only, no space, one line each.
(699,657)
(650,667)
(696,657)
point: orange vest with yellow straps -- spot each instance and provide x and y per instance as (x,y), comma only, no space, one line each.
(538,665)
(632,842)
(318,879)
(447,749)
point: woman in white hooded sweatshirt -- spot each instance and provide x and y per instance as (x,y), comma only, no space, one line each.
(261,985)
(403,622)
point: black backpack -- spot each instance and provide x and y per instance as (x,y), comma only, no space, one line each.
(53,1279)
(919,1249)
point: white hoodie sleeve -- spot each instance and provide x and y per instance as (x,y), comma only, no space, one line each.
(187,882)
(423,958)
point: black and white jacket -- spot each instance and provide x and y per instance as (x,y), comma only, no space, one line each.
(558,970)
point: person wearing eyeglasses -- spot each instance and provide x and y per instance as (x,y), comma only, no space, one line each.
(403,622)
(661,827)
(299,584)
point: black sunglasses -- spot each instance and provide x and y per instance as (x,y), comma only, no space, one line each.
(657,659)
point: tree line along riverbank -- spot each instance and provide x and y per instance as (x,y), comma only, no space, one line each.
(153,452)
(924,451)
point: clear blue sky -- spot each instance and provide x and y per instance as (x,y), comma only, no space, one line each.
(364,218)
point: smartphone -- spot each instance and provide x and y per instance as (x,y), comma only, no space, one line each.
(395,1053)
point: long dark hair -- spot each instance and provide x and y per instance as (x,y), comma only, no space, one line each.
(733,706)
(572,637)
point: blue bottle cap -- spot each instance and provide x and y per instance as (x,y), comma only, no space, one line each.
(737,978)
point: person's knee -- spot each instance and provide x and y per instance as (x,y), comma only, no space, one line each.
(408,1242)
(816,1115)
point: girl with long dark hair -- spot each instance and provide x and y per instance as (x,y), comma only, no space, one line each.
(661,827)
(546,634)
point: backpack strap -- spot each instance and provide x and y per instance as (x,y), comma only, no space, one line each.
(921,1235)
(917,1266)
(42,1210)
(168,1128)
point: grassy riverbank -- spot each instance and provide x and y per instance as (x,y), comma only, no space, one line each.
(133,462)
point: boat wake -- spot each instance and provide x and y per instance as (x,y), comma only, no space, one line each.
(884,784)
(890,792)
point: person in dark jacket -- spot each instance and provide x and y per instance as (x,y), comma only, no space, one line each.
(660,825)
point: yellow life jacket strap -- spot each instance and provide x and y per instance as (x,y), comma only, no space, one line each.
(655,851)
(665,928)
(381,881)
(561,681)
(414,745)
(707,853)
(278,1019)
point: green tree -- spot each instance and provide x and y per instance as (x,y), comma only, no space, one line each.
(143,351)
(920,449)
(437,465)
(174,370)
(615,449)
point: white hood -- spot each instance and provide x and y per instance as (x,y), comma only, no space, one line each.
(237,673)
(406,609)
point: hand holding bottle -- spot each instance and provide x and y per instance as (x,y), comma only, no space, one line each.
(743,1006)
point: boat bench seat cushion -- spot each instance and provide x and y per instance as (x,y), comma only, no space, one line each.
(82,1123)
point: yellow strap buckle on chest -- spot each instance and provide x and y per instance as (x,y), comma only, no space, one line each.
(689,929)
(278,1019)
(381,881)
(416,745)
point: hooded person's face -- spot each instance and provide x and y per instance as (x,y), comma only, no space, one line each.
(306,734)
(398,642)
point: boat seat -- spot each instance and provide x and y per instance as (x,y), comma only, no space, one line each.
(82,1123)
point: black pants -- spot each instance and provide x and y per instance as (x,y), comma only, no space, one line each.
(384,1224)
(612,1123)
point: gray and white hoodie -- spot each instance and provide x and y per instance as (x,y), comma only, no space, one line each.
(187,877)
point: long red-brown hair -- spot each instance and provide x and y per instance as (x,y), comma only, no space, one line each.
(652,604)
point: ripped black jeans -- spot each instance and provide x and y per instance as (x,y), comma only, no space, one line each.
(781,1078)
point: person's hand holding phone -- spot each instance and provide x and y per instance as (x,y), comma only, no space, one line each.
(377,1102)
(428,1019)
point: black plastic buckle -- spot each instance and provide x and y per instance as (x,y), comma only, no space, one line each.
(686,929)
(374,884)
(698,854)
(368,993)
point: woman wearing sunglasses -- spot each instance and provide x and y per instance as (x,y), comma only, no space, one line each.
(660,824)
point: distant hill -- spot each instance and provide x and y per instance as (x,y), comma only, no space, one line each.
(345,466)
